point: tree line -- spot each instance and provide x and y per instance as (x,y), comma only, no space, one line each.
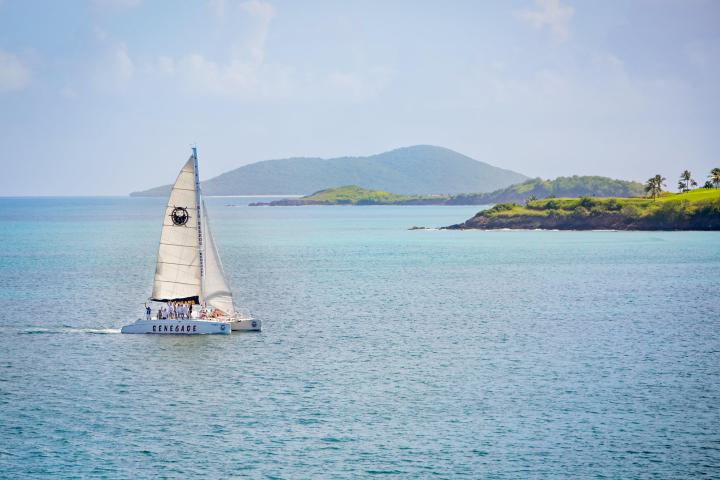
(654,185)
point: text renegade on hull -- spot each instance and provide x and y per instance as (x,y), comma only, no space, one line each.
(189,276)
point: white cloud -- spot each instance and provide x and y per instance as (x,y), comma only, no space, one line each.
(69,93)
(218,7)
(115,4)
(551,14)
(13,74)
(258,9)
(121,64)
(263,14)
(703,54)
(196,75)
(247,75)
(244,74)
(115,70)
(358,86)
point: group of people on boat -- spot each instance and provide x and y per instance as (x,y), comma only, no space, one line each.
(173,311)
(182,311)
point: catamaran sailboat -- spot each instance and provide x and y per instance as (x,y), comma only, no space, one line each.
(189,272)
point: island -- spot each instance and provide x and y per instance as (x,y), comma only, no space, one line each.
(694,210)
(354,195)
(574,186)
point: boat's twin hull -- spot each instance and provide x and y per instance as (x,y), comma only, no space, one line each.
(246,325)
(178,327)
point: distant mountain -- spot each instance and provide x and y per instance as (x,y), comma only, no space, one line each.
(421,169)
(575,186)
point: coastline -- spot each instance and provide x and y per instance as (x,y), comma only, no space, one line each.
(697,210)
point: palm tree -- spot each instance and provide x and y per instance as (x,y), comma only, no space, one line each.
(654,185)
(715,177)
(686,181)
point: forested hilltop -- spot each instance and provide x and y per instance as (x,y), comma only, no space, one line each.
(537,188)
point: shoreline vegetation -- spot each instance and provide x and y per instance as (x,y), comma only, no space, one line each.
(691,209)
(697,209)
(575,186)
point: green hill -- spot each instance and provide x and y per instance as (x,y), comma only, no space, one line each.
(560,187)
(421,169)
(354,195)
(575,186)
(695,210)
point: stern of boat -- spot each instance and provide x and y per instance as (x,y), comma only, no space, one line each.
(246,325)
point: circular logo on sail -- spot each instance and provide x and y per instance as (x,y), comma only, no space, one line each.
(179,216)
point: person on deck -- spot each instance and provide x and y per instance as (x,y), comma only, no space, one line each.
(147,312)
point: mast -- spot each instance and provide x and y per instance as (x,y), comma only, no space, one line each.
(201,245)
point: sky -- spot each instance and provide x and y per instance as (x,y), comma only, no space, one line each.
(104,97)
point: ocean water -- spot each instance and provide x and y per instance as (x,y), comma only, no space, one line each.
(385,352)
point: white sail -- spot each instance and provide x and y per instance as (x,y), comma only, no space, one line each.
(216,290)
(178,274)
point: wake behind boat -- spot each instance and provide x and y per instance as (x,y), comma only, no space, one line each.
(190,283)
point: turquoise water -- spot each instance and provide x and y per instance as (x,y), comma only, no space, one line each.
(385,352)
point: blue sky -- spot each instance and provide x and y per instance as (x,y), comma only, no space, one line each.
(103,97)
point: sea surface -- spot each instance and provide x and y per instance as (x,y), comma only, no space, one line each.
(385,353)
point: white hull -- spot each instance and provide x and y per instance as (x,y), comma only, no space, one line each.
(246,325)
(178,327)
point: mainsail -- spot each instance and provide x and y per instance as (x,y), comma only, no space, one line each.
(188,264)
(178,274)
(215,288)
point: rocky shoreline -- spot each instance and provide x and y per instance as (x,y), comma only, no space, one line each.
(601,221)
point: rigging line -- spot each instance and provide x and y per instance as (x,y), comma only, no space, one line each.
(173,281)
(178,245)
(181,264)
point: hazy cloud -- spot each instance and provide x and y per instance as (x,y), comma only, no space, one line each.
(115,4)
(115,70)
(263,14)
(247,75)
(551,14)
(359,86)
(13,74)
